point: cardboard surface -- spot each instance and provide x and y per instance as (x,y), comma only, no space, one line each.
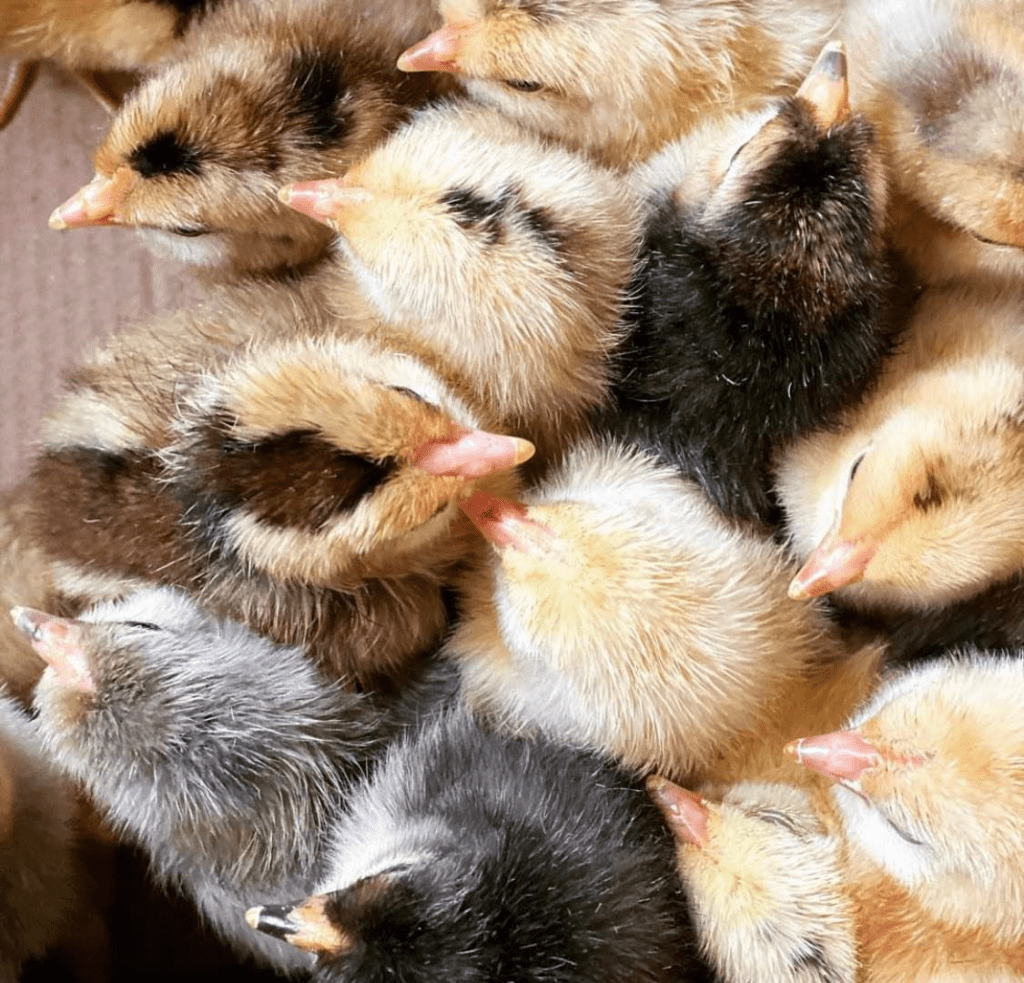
(59,291)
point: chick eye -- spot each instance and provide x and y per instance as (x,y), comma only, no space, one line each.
(189,231)
(856,464)
(149,626)
(521,85)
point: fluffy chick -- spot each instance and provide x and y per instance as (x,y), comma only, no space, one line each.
(765,880)
(928,780)
(913,502)
(297,480)
(261,95)
(38,873)
(762,299)
(620,79)
(502,261)
(478,857)
(224,755)
(944,85)
(621,611)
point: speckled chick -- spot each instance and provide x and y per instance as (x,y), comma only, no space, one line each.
(39,879)
(928,784)
(501,260)
(913,503)
(290,477)
(476,857)
(943,83)
(621,611)
(763,295)
(263,94)
(765,880)
(620,79)
(225,756)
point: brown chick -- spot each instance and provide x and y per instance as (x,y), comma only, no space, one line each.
(618,80)
(500,260)
(296,480)
(914,502)
(944,86)
(261,95)
(621,611)
(764,877)
(928,786)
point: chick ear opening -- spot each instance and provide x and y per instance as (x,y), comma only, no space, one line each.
(826,87)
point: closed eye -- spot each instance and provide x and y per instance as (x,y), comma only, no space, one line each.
(189,231)
(522,85)
(148,625)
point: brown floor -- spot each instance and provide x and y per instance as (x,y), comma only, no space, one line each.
(58,290)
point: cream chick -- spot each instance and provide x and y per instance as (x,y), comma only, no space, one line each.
(914,501)
(503,261)
(764,878)
(621,611)
(619,78)
(928,787)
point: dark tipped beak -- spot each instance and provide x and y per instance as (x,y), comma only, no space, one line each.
(304,924)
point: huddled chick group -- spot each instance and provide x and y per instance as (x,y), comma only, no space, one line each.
(575,535)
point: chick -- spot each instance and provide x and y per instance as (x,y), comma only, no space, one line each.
(510,269)
(764,878)
(621,611)
(224,755)
(38,867)
(618,80)
(913,503)
(763,298)
(261,95)
(475,857)
(944,85)
(927,786)
(290,477)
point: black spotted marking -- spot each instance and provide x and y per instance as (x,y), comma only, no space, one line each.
(295,479)
(475,213)
(540,223)
(931,497)
(319,86)
(813,960)
(166,154)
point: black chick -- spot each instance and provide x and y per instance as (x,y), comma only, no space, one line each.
(474,857)
(762,301)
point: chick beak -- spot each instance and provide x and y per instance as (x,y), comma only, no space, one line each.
(97,203)
(325,200)
(59,641)
(472,454)
(304,925)
(438,52)
(826,87)
(506,523)
(842,755)
(831,566)
(685,812)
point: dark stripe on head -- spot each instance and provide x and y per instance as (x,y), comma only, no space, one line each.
(813,960)
(541,225)
(165,154)
(474,213)
(318,83)
(541,11)
(938,97)
(295,479)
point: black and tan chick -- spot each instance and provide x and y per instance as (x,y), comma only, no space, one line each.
(477,857)
(619,80)
(502,261)
(763,294)
(242,450)
(262,95)
(39,877)
(927,786)
(621,611)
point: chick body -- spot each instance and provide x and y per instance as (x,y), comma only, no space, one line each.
(911,504)
(764,291)
(619,80)
(622,611)
(261,95)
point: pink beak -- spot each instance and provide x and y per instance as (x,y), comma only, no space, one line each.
(95,204)
(438,52)
(59,642)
